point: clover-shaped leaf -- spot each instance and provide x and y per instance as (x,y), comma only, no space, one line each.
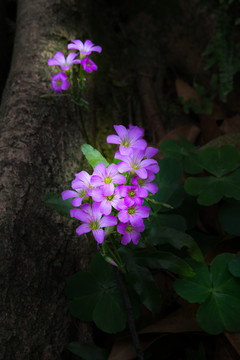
(211,190)
(95,295)
(217,291)
(183,150)
(219,161)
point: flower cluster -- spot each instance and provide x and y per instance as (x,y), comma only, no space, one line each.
(60,81)
(114,195)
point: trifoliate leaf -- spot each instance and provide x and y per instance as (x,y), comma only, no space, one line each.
(211,190)
(219,161)
(219,293)
(96,296)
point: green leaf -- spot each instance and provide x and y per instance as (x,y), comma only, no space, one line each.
(56,202)
(142,281)
(208,189)
(145,286)
(96,296)
(219,161)
(93,156)
(229,215)
(84,290)
(191,164)
(88,351)
(169,183)
(196,288)
(163,235)
(164,260)
(232,185)
(110,314)
(211,190)
(171,148)
(219,293)
(234,265)
(184,150)
(174,221)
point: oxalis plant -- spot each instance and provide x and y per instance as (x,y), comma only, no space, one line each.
(143,221)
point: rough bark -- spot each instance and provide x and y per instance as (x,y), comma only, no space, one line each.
(40,152)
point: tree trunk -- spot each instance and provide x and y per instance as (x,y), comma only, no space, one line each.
(40,152)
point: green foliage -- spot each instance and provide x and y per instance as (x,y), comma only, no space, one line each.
(183,150)
(223,163)
(56,202)
(95,296)
(93,156)
(217,291)
(168,245)
(170,189)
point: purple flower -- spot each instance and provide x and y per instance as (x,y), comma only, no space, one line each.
(81,185)
(60,82)
(92,220)
(130,232)
(84,49)
(83,181)
(59,59)
(132,212)
(107,177)
(128,139)
(134,194)
(145,184)
(106,201)
(136,163)
(88,65)
(150,152)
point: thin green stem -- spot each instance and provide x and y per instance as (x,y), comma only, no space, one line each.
(114,257)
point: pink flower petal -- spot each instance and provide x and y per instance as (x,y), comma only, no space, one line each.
(98,235)
(123,216)
(60,57)
(135,236)
(68,194)
(52,62)
(100,170)
(83,229)
(142,173)
(80,215)
(105,207)
(77,201)
(136,220)
(126,239)
(123,167)
(113,139)
(108,220)
(121,131)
